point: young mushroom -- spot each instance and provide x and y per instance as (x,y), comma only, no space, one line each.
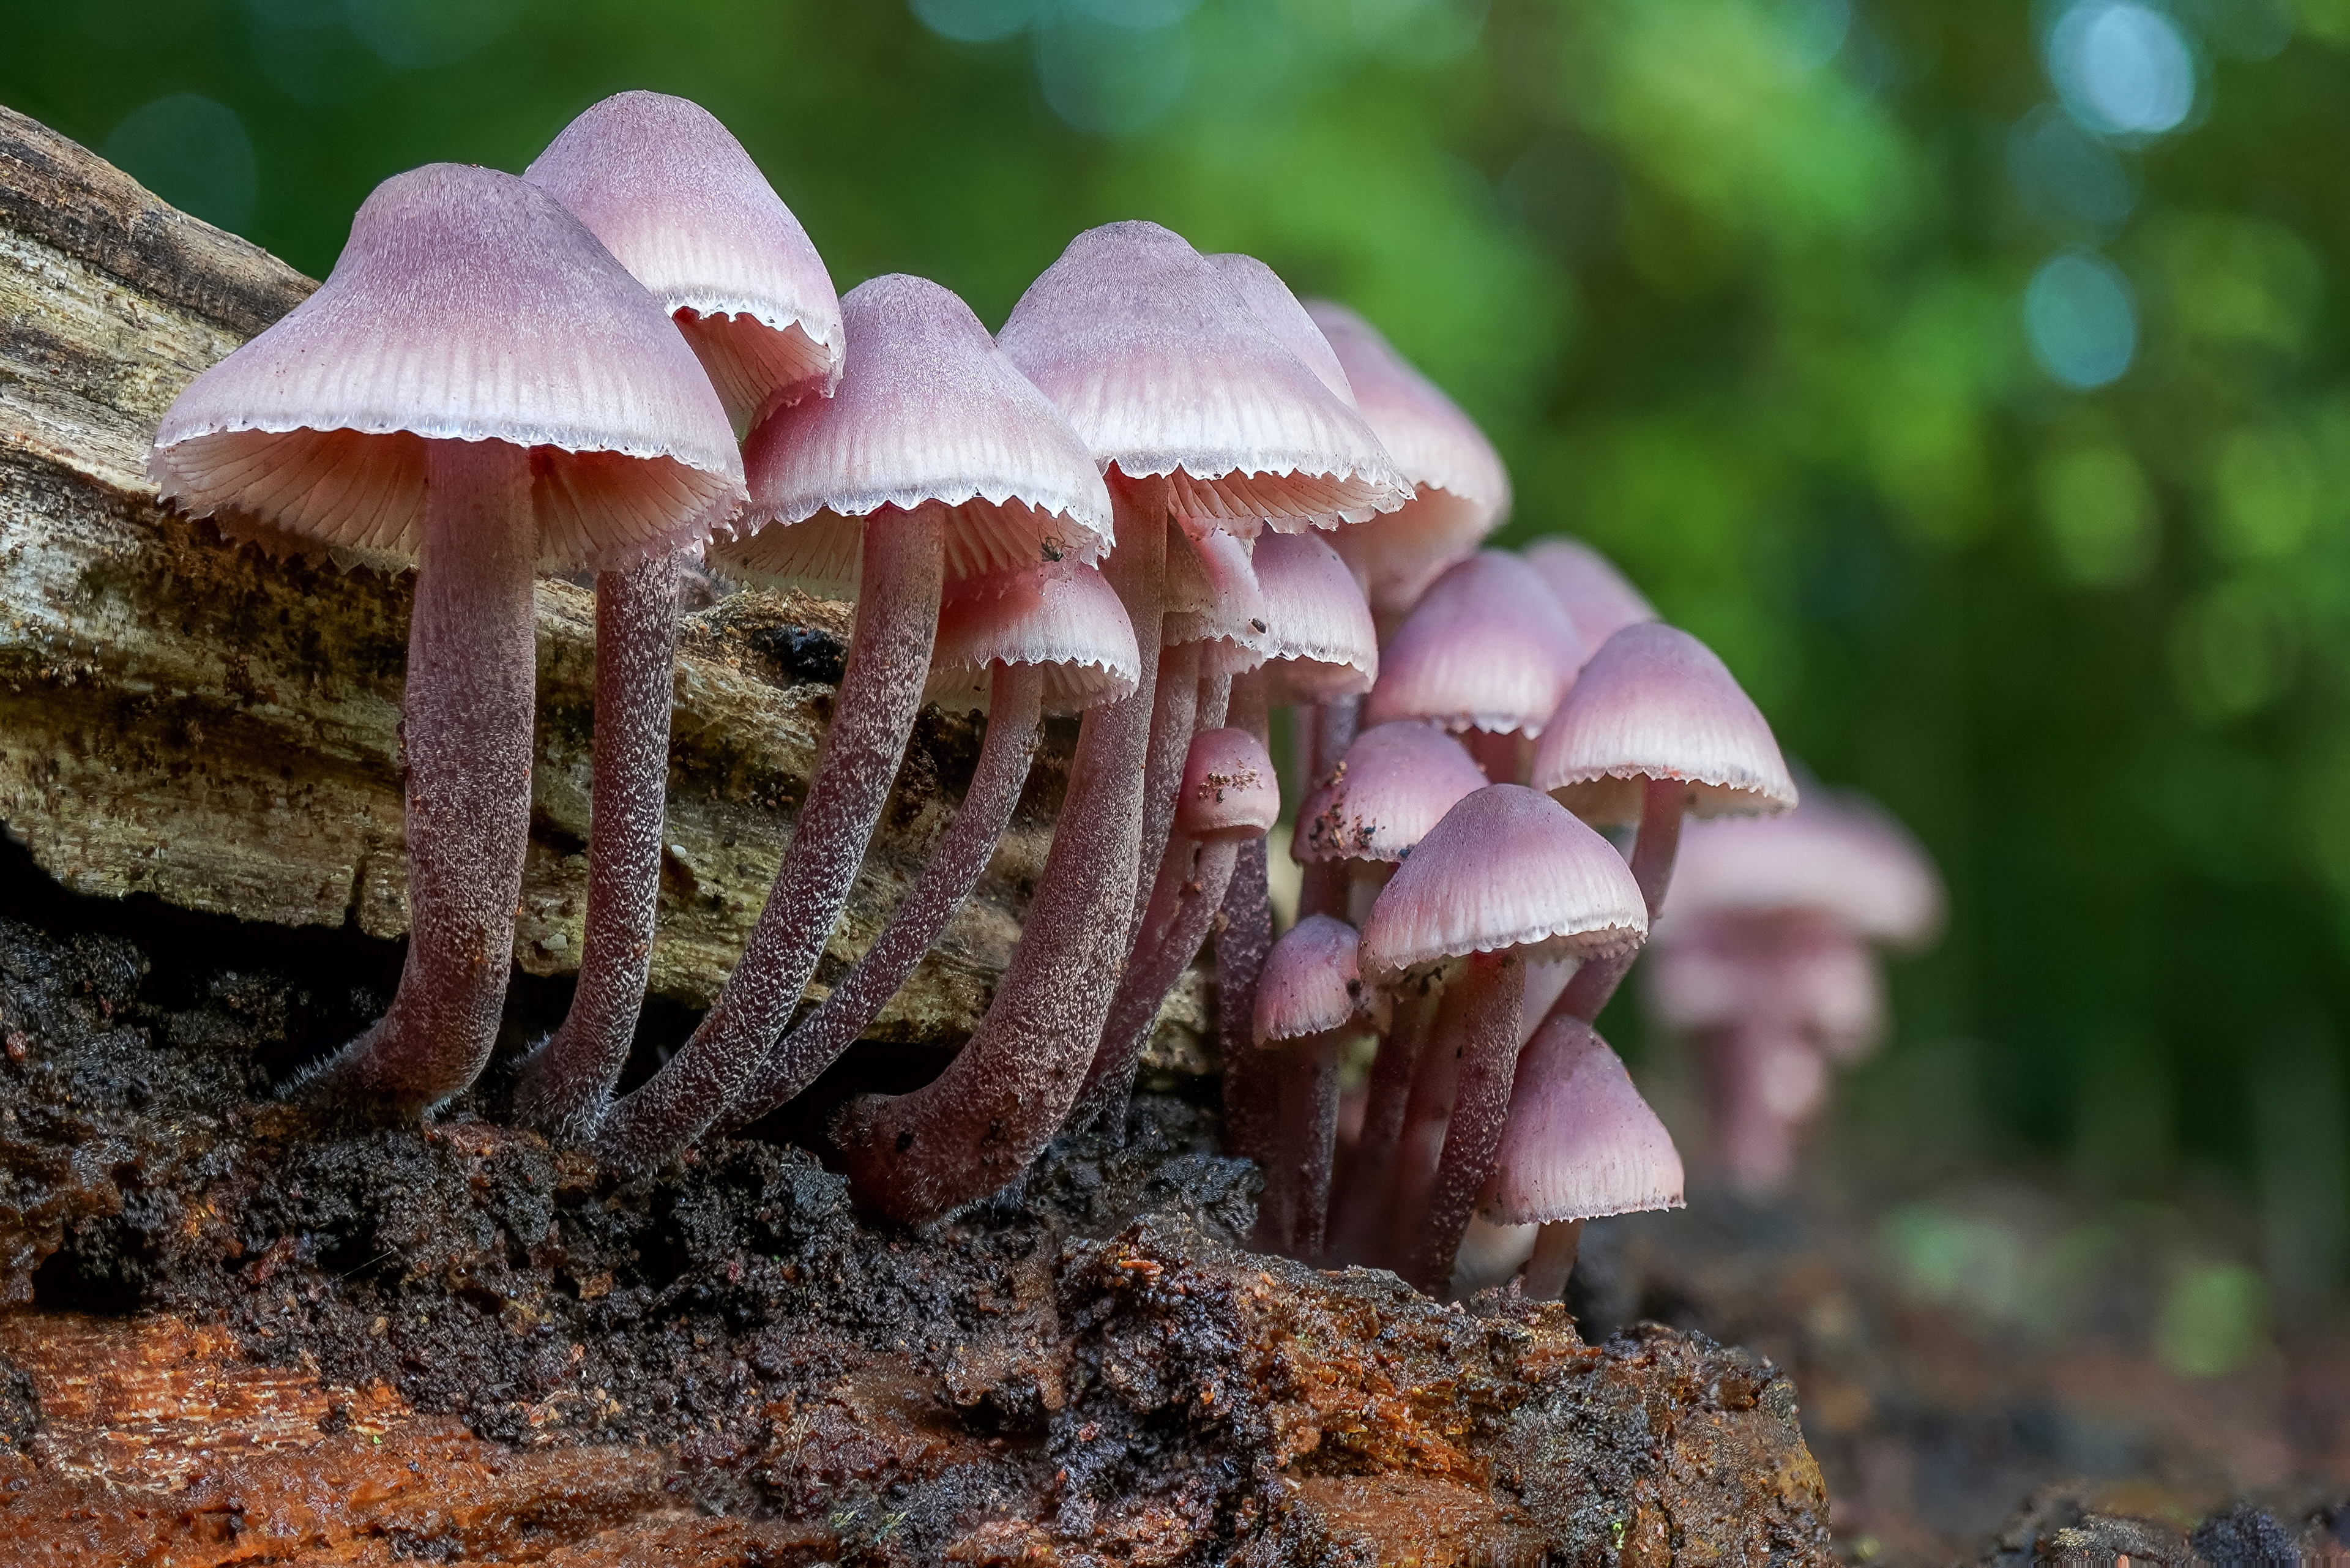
(479,388)
(1310,1001)
(675,199)
(934,461)
(1596,596)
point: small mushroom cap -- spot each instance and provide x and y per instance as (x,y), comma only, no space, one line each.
(467,305)
(678,201)
(1229,791)
(1798,967)
(1655,703)
(1839,853)
(1310,984)
(1164,370)
(1507,869)
(1580,1143)
(1269,299)
(1064,618)
(1461,491)
(929,412)
(1322,644)
(1395,782)
(1213,597)
(1598,599)
(1487,647)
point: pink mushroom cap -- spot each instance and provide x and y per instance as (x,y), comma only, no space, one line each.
(673,196)
(1213,598)
(1598,599)
(1230,792)
(1798,967)
(1164,370)
(1310,984)
(1322,643)
(1507,869)
(929,412)
(1064,620)
(1486,648)
(1654,703)
(466,305)
(1269,299)
(1839,853)
(1394,783)
(1581,1142)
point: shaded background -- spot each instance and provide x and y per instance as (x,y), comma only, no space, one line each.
(1970,377)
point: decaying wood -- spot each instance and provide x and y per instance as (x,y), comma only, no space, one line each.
(220,730)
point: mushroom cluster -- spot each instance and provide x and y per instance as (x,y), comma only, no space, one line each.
(1167,496)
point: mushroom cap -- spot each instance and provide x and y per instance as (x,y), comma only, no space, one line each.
(1798,967)
(1395,782)
(1598,599)
(1486,648)
(1212,597)
(1269,299)
(466,305)
(1164,370)
(927,412)
(1322,643)
(1310,984)
(1229,791)
(1063,618)
(1580,1143)
(1654,703)
(1508,868)
(1839,853)
(678,201)
(1462,492)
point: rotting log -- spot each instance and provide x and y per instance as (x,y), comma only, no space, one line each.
(220,729)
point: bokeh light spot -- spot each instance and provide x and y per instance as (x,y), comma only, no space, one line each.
(1109,80)
(1813,31)
(2213,1320)
(2233,649)
(2266,491)
(977,21)
(193,152)
(2099,513)
(2124,70)
(2082,319)
(2065,174)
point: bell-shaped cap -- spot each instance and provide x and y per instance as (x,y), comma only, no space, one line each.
(1212,598)
(1580,1143)
(1797,968)
(467,305)
(1507,869)
(1487,647)
(1598,599)
(1654,703)
(1164,370)
(1269,299)
(1461,492)
(1310,984)
(929,413)
(1395,782)
(1062,618)
(1839,853)
(1229,791)
(678,201)
(1322,643)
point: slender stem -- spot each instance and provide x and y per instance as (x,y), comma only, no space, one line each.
(1662,804)
(973,1131)
(1215,705)
(1185,898)
(565,1086)
(1174,715)
(1324,738)
(954,868)
(901,570)
(466,732)
(1309,1136)
(1494,995)
(1363,1187)
(1249,1075)
(1507,758)
(1412,1176)
(1553,1263)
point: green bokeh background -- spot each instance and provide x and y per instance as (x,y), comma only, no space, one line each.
(1737,286)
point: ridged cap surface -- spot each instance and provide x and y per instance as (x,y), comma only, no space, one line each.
(1395,782)
(1310,984)
(1486,648)
(1064,619)
(1598,599)
(1580,1143)
(1322,643)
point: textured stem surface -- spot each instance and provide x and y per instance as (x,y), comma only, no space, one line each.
(954,870)
(1327,731)
(1412,1176)
(901,570)
(1185,900)
(1662,804)
(1298,1179)
(971,1131)
(1174,715)
(1492,995)
(1250,1131)
(1364,1187)
(565,1087)
(471,688)
(1553,1263)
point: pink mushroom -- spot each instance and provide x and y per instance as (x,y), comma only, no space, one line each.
(1596,596)
(1310,1001)
(478,388)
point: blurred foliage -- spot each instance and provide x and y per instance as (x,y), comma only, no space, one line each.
(1787,303)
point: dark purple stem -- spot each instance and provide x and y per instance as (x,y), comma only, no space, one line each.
(1364,1187)
(1174,715)
(466,732)
(565,1086)
(1185,900)
(1249,1084)
(1491,995)
(1327,735)
(901,570)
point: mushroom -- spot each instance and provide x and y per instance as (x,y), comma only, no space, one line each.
(1507,874)
(934,460)
(477,386)
(1596,596)
(1047,640)
(1310,1001)
(678,202)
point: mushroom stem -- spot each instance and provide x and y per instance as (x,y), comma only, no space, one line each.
(1174,715)
(566,1084)
(1552,1264)
(1662,804)
(1299,1178)
(902,569)
(972,1130)
(1366,1186)
(1015,711)
(1410,1175)
(1251,1131)
(1491,995)
(1507,757)
(1184,899)
(466,731)
(1327,735)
